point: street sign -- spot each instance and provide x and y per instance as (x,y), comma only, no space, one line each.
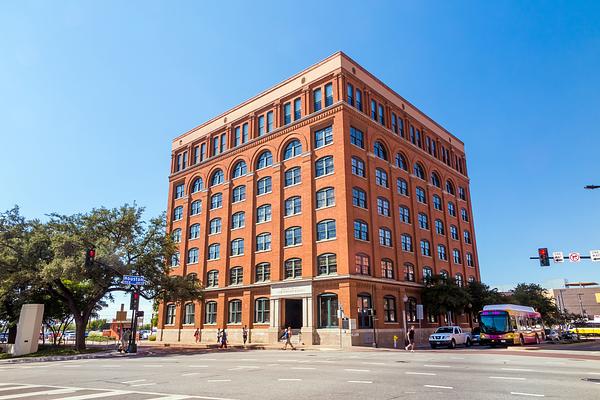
(140,314)
(133,280)
(574,257)
(595,255)
(558,256)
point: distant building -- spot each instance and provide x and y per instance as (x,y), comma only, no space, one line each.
(579,300)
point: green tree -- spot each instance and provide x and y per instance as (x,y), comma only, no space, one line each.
(482,295)
(442,295)
(533,295)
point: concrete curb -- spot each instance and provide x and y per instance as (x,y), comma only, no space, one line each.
(100,354)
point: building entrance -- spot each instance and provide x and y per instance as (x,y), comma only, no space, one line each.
(293,313)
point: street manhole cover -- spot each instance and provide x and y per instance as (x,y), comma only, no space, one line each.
(594,380)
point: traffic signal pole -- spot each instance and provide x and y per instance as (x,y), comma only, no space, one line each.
(135,303)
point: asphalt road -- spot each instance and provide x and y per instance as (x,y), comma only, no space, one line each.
(272,374)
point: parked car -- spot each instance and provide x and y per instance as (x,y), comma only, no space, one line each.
(475,335)
(569,337)
(450,336)
(69,335)
(552,335)
(3,337)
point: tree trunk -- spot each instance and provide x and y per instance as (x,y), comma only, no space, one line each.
(80,325)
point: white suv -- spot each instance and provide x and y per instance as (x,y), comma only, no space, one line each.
(449,336)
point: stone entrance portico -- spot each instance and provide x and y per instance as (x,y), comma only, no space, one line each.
(280,292)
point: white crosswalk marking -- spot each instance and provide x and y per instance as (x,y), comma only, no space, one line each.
(38,392)
(95,395)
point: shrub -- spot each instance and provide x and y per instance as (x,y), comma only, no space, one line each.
(152,338)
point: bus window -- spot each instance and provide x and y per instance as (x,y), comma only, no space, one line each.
(513,323)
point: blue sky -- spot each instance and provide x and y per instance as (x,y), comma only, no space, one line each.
(91,94)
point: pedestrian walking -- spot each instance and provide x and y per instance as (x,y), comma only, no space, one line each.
(223,339)
(411,340)
(197,335)
(288,338)
(218,336)
(245,334)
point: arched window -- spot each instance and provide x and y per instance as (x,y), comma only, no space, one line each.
(293,206)
(192,255)
(427,274)
(263,272)
(263,213)
(365,308)
(325,197)
(196,207)
(212,278)
(409,272)
(361,262)
(210,316)
(194,231)
(238,220)
(471,279)
(261,311)
(406,242)
(264,160)
(437,202)
(411,309)
(237,247)
(464,215)
(197,185)
(442,252)
(189,313)
(449,187)
(177,213)
(217,178)
(216,201)
(389,309)
(236,276)
(214,226)
(381,178)
(401,162)
(170,314)
(439,227)
(402,187)
(467,236)
(293,268)
(328,306)
(176,235)
(238,194)
(293,236)
(361,230)
(327,264)
(459,280)
(359,197)
(456,256)
(293,149)
(469,258)
(387,268)
(435,180)
(324,166)
(326,229)
(192,276)
(444,275)
(419,171)
(423,221)
(292,177)
(358,167)
(239,169)
(235,312)
(264,185)
(385,237)
(175,260)
(380,151)
(263,242)
(214,251)
(425,248)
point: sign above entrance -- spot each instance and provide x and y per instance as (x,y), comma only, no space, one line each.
(296,289)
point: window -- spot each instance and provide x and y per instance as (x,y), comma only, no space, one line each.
(237,247)
(245,133)
(239,169)
(194,231)
(364,310)
(439,227)
(324,166)
(401,162)
(176,235)
(387,268)
(359,100)
(421,195)
(425,248)
(361,230)
(419,172)
(437,202)
(471,279)
(381,114)
(380,150)
(293,236)
(328,95)
(404,214)
(236,276)
(239,194)
(215,145)
(196,207)
(297,109)
(202,151)
(459,280)
(175,260)
(469,258)
(293,206)
(359,198)
(293,268)
(402,187)
(423,221)
(323,137)
(223,143)
(325,197)
(381,178)
(406,242)
(179,191)
(358,167)
(411,310)
(350,94)
(264,160)
(456,256)
(357,137)
(263,272)
(292,177)
(327,264)
(467,236)
(188,314)
(211,313)
(261,125)
(361,262)
(383,207)
(237,136)
(461,193)
(263,186)
(449,187)
(385,237)
(212,278)
(287,113)
(170,315)
(217,178)
(192,255)
(409,272)
(389,309)
(269,121)
(235,312)
(178,213)
(216,201)
(328,307)
(427,274)
(394,125)
(326,230)
(263,213)
(451,209)
(214,251)
(373,110)
(215,226)
(293,149)
(435,180)
(442,252)
(444,275)
(453,232)
(317,97)
(464,215)
(261,311)
(197,185)
(263,242)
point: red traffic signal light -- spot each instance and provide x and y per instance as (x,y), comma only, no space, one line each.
(90,254)
(543,255)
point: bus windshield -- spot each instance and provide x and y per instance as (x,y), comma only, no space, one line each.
(497,323)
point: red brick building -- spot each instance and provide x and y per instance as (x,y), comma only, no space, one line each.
(328,191)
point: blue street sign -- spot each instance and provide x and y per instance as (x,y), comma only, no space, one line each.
(133,280)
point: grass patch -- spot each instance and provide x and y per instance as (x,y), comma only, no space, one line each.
(48,350)
(98,338)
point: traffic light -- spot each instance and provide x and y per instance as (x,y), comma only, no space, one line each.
(90,254)
(135,301)
(544,259)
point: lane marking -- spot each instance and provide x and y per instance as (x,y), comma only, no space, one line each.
(144,384)
(191,374)
(439,387)
(289,379)
(420,373)
(16,386)
(373,363)
(247,359)
(517,369)
(594,373)
(457,358)
(219,380)
(40,392)
(110,366)
(527,394)
(287,360)
(303,368)
(72,366)
(436,366)
(172,397)
(360,381)
(134,381)
(198,366)
(555,362)
(512,378)
(356,370)
(272,365)
(152,365)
